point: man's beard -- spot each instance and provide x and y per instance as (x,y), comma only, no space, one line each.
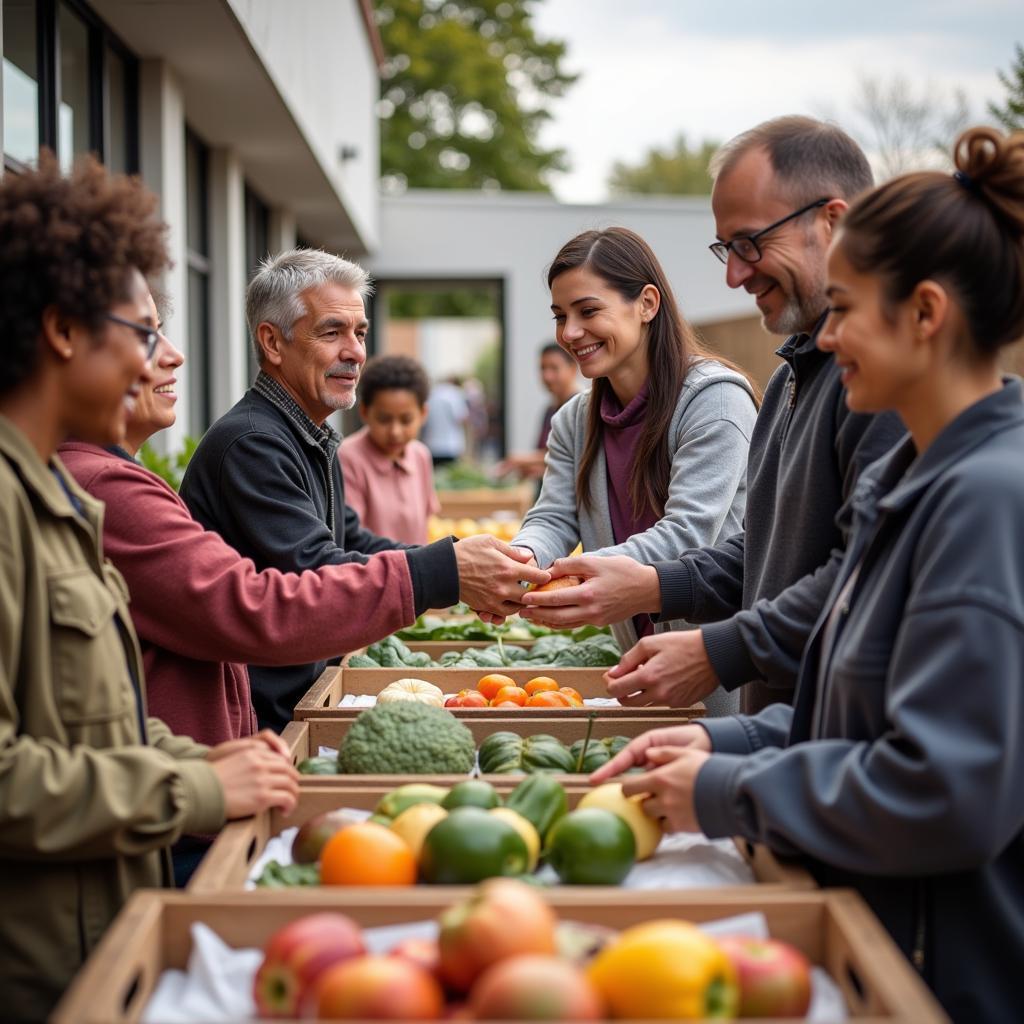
(799,314)
(336,402)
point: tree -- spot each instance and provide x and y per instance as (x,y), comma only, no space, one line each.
(908,130)
(1011,115)
(463,95)
(675,171)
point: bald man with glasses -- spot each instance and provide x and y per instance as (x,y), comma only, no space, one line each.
(780,191)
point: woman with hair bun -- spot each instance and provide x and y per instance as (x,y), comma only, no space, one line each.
(899,770)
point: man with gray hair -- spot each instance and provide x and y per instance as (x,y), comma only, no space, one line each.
(780,191)
(267,478)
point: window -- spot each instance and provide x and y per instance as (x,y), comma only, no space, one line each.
(257,247)
(21,81)
(69,84)
(197,245)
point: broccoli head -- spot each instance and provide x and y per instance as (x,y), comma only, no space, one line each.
(407,738)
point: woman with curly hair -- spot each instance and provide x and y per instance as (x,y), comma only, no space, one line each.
(92,790)
(898,771)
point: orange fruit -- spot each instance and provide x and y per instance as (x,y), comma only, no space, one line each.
(548,699)
(367,854)
(574,696)
(513,693)
(505,704)
(562,581)
(491,684)
(539,683)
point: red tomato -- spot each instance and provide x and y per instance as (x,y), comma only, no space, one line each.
(466,699)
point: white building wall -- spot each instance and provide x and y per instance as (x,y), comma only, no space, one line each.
(514,236)
(162,166)
(318,56)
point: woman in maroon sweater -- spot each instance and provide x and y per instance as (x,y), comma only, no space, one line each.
(201,610)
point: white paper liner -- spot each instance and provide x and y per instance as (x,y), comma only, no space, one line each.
(368,700)
(217,987)
(686,860)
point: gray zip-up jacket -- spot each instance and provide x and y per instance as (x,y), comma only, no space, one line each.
(709,436)
(900,770)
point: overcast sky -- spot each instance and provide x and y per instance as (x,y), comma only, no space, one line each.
(651,69)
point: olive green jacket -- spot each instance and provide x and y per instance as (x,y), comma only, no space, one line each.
(87,807)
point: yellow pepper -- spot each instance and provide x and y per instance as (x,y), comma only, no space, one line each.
(666,970)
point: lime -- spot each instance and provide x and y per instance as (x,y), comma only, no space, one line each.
(471,845)
(591,846)
(471,793)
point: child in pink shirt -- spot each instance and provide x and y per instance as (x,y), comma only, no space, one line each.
(388,473)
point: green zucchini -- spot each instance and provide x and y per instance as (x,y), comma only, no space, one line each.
(540,800)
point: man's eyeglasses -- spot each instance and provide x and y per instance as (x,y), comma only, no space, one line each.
(746,247)
(148,336)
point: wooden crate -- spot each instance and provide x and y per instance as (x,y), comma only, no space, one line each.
(227,864)
(834,928)
(321,700)
(485,502)
(305,739)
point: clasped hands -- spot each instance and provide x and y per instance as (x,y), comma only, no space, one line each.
(491,576)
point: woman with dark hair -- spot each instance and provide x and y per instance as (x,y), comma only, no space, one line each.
(652,461)
(92,790)
(899,769)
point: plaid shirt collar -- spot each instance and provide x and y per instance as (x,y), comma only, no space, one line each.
(325,438)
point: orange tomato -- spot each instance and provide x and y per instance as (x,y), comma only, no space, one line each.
(513,693)
(505,704)
(539,684)
(466,699)
(548,699)
(491,684)
(574,697)
(367,854)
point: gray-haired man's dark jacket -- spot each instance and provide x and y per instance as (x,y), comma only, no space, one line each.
(900,770)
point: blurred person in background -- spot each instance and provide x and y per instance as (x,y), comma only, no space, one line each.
(93,791)
(560,375)
(652,460)
(388,473)
(898,771)
(444,431)
(266,476)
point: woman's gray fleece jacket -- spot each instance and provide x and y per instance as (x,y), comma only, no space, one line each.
(709,434)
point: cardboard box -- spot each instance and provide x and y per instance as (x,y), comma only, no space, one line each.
(323,697)
(227,865)
(834,929)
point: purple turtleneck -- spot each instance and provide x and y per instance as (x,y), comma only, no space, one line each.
(622,429)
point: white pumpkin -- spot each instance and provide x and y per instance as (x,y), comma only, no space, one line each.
(411,689)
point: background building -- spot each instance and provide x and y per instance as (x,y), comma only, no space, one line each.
(254,121)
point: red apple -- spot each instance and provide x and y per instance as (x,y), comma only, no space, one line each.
(297,955)
(535,988)
(378,988)
(502,918)
(774,977)
(311,836)
(422,952)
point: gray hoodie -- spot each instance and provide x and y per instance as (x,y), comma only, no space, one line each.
(900,770)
